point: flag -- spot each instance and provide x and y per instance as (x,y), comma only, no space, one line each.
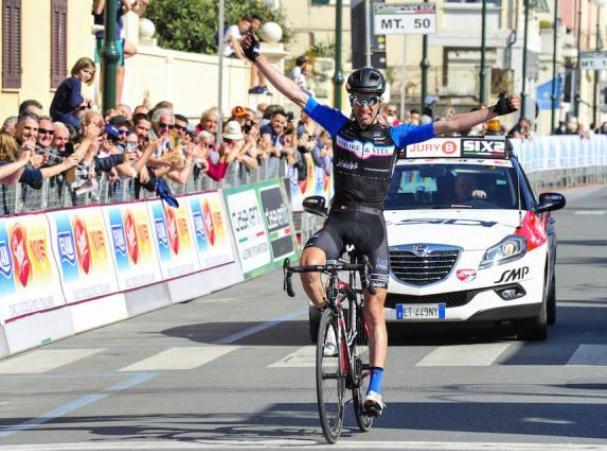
(543,94)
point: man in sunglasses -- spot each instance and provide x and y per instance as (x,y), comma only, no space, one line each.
(365,154)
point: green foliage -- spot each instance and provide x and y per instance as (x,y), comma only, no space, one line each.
(192,25)
(545,24)
(322,49)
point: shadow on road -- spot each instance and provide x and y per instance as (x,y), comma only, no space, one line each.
(300,421)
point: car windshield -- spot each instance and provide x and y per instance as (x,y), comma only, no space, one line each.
(453,185)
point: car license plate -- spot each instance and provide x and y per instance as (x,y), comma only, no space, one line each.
(420,311)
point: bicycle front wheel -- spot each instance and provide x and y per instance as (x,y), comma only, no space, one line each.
(330,378)
(360,354)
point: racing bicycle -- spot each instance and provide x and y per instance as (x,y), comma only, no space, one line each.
(344,364)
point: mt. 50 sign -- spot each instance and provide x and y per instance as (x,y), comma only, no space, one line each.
(407,18)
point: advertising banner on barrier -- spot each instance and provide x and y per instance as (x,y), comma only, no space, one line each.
(212,239)
(134,256)
(278,220)
(29,281)
(249,229)
(173,238)
(80,244)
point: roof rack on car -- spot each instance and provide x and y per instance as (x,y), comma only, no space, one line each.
(460,147)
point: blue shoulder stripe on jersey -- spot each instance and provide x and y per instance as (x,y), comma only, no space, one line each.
(331,120)
(406,134)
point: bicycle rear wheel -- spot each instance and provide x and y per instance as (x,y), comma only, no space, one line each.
(330,381)
(361,367)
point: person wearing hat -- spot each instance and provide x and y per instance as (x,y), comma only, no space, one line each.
(228,151)
(364,156)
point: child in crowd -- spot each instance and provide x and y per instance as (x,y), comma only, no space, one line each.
(68,99)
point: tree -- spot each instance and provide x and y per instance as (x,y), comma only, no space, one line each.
(192,25)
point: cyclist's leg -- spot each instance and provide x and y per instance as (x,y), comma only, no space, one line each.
(372,242)
(324,244)
(311,280)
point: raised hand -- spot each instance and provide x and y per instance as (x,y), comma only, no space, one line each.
(250,46)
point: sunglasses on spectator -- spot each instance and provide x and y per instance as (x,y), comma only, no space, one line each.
(364,101)
(45,131)
(123,131)
(179,128)
(165,125)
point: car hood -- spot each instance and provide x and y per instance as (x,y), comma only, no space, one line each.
(469,229)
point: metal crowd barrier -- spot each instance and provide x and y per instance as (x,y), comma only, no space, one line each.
(56,193)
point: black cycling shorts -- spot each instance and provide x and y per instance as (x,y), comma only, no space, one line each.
(366,231)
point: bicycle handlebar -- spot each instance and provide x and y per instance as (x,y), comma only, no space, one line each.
(363,269)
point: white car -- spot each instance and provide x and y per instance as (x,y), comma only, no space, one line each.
(469,240)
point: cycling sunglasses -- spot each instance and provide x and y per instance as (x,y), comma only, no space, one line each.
(364,101)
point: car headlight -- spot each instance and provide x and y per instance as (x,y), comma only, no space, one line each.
(509,249)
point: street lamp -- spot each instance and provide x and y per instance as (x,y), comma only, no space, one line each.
(529,4)
(578,72)
(482,72)
(555,25)
(597,73)
(338,77)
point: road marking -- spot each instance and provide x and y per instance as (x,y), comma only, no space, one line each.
(181,358)
(74,405)
(304,444)
(483,354)
(263,326)
(302,358)
(305,357)
(589,355)
(590,212)
(44,360)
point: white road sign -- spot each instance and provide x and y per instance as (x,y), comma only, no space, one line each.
(404,18)
(593,60)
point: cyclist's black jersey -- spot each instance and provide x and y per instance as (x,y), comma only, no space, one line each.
(363,159)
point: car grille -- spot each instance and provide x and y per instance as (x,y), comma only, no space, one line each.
(422,264)
(454,299)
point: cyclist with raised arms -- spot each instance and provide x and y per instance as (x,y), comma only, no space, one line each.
(364,156)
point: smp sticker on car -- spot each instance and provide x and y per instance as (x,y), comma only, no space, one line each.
(510,275)
(466,275)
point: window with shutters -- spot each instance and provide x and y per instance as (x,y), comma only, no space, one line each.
(11,44)
(58,41)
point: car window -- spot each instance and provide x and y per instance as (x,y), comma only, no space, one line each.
(452,186)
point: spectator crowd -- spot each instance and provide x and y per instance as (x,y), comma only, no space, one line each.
(81,156)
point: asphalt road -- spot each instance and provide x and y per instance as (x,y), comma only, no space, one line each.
(234,369)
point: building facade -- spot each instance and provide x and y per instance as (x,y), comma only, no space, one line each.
(40,41)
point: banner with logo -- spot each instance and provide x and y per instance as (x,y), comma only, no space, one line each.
(134,256)
(172,233)
(29,281)
(277,219)
(212,240)
(249,230)
(82,252)
(560,152)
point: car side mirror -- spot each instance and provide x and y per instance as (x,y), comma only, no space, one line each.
(550,202)
(315,205)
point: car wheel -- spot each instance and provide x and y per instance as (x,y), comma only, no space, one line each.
(313,322)
(551,301)
(535,329)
